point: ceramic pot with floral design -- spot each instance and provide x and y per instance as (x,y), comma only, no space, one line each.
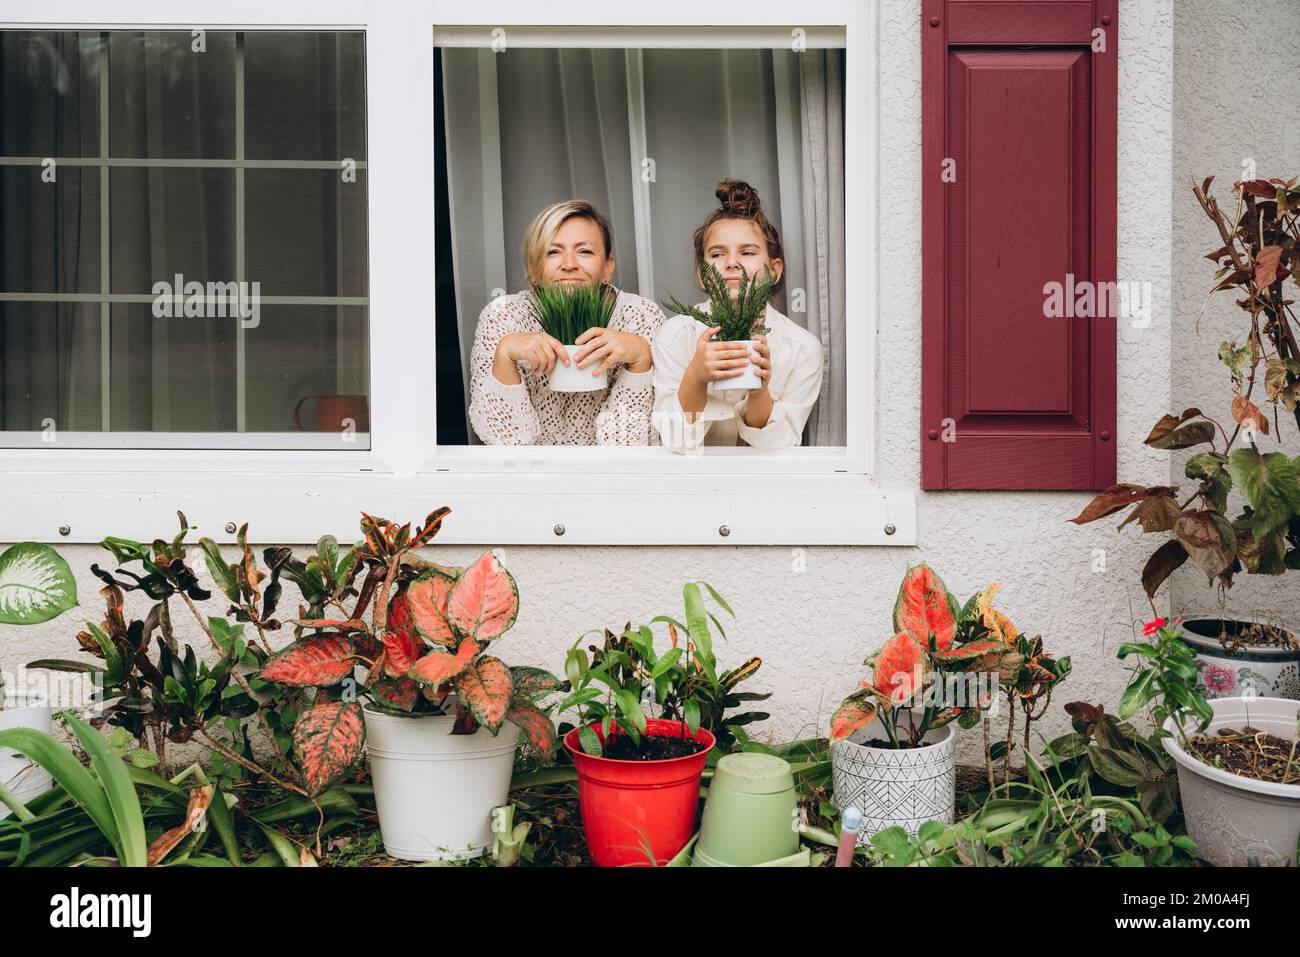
(1236,670)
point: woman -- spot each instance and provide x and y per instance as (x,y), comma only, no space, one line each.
(510,403)
(689,410)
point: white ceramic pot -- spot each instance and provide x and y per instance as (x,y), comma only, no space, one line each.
(746,380)
(1236,821)
(22,777)
(903,788)
(1266,672)
(434,790)
(572,379)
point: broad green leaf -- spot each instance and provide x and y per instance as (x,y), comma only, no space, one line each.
(133,849)
(36,584)
(1269,485)
(631,709)
(590,741)
(1137,694)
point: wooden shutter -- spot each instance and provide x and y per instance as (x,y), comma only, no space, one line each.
(1019,113)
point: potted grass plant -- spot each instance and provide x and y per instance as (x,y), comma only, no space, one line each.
(36,585)
(565,312)
(893,740)
(738,319)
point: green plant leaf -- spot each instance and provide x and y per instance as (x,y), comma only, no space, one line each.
(1268,483)
(36,584)
(1137,694)
(630,708)
(124,803)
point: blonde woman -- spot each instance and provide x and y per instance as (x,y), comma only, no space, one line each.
(512,357)
(689,410)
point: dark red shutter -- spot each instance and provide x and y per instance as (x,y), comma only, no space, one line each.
(1016,97)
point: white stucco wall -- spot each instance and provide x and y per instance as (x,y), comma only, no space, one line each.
(814,614)
(1237,83)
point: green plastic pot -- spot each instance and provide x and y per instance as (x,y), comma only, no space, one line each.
(750,815)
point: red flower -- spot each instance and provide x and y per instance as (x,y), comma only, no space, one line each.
(1151,627)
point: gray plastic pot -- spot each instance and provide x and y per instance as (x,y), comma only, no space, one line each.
(1236,821)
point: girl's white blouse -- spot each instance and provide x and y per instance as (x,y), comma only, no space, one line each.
(529,413)
(795,384)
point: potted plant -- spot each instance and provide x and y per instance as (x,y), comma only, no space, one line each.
(1260,250)
(435,702)
(893,740)
(36,585)
(566,312)
(738,320)
(638,776)
(1238,765)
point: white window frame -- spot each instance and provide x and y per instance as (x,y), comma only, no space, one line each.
(805,496)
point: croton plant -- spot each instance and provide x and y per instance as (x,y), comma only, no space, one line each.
(424,652)
(936,638)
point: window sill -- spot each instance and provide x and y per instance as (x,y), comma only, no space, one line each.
(488,508)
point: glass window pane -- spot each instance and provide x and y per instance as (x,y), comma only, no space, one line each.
(307,371)
(305,95)
(49,368)
(49,231)
(306,232)
(49,93)
(171,374)
(167,99)
(167,221)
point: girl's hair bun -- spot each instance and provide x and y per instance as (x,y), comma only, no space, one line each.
(738,198)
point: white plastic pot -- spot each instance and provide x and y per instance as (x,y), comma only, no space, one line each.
(746,380)
(24,779)
(572,379)
(896,788)
(434,790)
(1237,821)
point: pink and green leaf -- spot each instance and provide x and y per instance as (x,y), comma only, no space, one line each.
(402,646)
(484,602)
(485,688)
(857,711)
(539,728)
(426,601)
(533,683)
(968,652)
(400,694)
(438,667)
(318,661)
(924,607)
(327,740)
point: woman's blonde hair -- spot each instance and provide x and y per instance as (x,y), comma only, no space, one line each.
(548,222)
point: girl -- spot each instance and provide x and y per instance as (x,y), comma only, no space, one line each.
(510,404)
(689,411)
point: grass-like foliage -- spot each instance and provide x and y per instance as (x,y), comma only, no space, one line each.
(737,320)
(566,313)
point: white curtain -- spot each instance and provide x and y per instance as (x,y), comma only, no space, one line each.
(531,127)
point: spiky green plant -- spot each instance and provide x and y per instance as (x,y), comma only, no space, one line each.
(566,313)
(739,320)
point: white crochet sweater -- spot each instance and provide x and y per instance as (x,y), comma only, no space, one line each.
(529,413)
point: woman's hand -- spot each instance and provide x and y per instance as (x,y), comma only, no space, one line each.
(539,350)
(716,360)
(607,348)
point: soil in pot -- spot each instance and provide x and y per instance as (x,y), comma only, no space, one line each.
(1251,754)
(1236,635)
(652,747)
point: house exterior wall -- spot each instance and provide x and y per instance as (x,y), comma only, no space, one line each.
(1236,86)
(814,613)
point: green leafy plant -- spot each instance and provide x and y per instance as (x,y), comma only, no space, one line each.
(36,585)
(567,310)
(1165,679)
(738,319)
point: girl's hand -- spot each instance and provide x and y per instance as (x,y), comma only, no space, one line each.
(607,348)
(716,360)
(538,349)
(762,361)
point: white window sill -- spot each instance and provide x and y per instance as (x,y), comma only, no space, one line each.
(296,507)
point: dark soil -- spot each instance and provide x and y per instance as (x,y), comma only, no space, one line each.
(1251,754)
(652,748)
(1235,636)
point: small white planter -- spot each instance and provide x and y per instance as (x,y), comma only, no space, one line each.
(572,379)
(434,790)
(746,380)
(1266,672)
(22,777)
(896,788)
(1236,821)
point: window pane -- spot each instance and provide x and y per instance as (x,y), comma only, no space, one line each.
(167,99)
(167,221)
(306,232)
(49,231)
(49,94)
(305,95)
(307,372)
(49,368)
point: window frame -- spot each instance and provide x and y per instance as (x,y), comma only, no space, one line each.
(507,495)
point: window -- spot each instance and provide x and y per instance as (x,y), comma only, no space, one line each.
(183,238)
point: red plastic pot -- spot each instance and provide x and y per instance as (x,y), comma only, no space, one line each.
(633,810)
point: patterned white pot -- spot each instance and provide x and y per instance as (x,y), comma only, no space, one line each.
(1263,672)
(1236,821)
(903,788)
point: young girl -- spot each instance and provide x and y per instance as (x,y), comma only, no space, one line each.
(512,357)
(689,410)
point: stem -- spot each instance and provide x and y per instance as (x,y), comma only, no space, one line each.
(1011,730)
(988,755)
(250,766)
(16,806)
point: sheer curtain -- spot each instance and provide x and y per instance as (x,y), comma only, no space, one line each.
(534,126)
